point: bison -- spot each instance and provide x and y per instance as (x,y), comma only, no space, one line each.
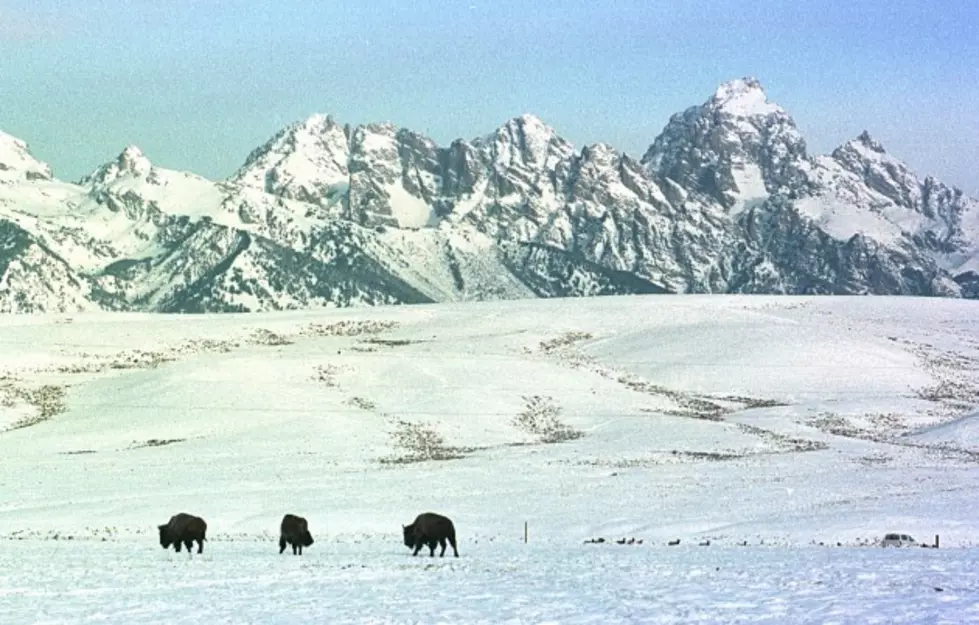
(294,531)
(428,529)
(183,528)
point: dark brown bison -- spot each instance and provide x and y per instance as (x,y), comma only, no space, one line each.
(294,531)
(183,529)
(430,529)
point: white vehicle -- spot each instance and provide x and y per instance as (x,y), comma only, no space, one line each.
(898,540)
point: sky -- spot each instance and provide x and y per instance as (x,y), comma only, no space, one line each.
(198,84)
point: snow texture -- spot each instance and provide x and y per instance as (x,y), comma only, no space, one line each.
(791,433)
(743,97)
(129,584)
(16,162)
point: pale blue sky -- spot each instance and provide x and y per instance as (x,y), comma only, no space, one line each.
(199,83)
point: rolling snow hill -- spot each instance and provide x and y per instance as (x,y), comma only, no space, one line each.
(766,425)
(726,200)
(628,412)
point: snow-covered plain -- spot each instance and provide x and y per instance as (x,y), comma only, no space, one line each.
(782,430)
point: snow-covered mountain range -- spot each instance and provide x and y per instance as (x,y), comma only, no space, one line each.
(726,200)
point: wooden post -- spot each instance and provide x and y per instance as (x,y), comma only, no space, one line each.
(525,532)
(936,541)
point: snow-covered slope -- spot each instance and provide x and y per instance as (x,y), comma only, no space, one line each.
(765,425)
(613,416)
(17,163)
(726,199)
(960,433)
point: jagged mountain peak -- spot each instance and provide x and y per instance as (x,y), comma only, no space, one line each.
(17,162)
(600,153)
(888,175)
(316,121)
(865,140)
(312,133)
(529,125)
(130,163)
(132,159)
(857,154)
(529,121)
(303,161)
(726,200)
(528,140)
(737,147)
(742,97)
(382,138)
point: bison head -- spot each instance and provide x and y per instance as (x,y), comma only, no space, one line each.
(409,531)
(165,541)
(306,538)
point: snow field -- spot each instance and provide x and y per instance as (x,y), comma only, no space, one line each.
(771,422)
(238,582)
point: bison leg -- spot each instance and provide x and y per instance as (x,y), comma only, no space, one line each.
(300,549)
(282,544)
(452,541)
(418,547)
(200,545)
(189,543)
(442,544)
(176,546)
(431,546)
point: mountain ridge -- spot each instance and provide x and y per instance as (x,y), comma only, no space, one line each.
(726,199)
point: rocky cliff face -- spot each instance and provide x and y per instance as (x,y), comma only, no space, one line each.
(726,199)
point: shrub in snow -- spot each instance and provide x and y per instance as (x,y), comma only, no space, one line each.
(420,442)
(540,418)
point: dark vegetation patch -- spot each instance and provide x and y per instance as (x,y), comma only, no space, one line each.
(421,442)
(155,442)
(46,401)
(540,418)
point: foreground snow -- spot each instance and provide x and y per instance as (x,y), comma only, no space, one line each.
(376,582)
(765,425)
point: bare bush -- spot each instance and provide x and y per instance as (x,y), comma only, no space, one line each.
(208,345)
(568,339)
(836,425)
(419,442)
(261,336)
(347,328)
(155,442)
(142,359)
(362,403)
(875,459)
(878,427)
(753,402)
(688,405)
(673,457)
(950,391)
(8,396)
(47,401)
(326,374)
(956,388)
(540,418)
(785,443)
(390,342)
